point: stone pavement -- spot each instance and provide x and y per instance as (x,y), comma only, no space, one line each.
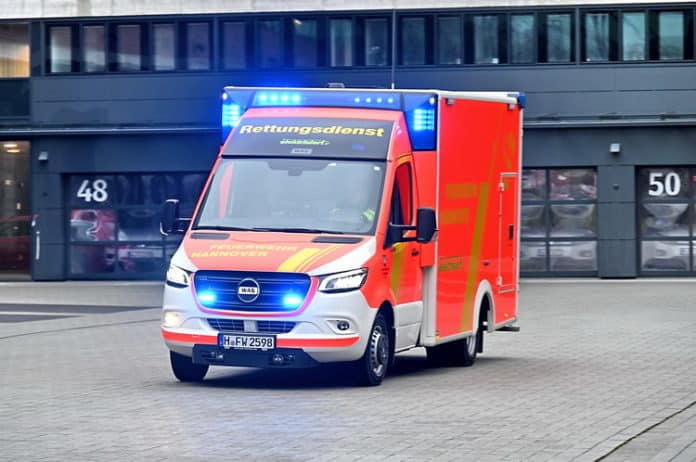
(601,370)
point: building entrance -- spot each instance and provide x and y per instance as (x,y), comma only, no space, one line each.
(15,211)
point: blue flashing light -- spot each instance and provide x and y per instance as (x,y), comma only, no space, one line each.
(231,113)
(277,98)
(207,298)
(421,117)
(292,301)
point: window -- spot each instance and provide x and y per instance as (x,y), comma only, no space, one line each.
(14,50)
(413,41)
(128,47)
(341,42)
(486,40)
(60,49)
(559,221)
(376,42)
(405,199)
(667,219)
(198,46)
(270,43)
(522,38)
(597,31)
(633,38)
(557,38)
(234,45)
(305,50)
(114,222)
(93,49)
(670,35)
(449,40)
(163,47)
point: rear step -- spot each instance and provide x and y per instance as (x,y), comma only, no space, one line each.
(509,329)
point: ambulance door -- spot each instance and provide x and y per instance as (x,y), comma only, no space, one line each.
(406,272)
(507,232)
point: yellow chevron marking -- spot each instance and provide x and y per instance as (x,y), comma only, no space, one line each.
(314,258)
(294,261)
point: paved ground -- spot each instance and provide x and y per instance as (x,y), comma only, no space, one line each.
(600,371)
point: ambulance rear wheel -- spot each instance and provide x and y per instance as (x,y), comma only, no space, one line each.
(458,353)
(372,367)
(185,370)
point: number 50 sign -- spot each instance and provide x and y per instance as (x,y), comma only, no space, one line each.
(664,184)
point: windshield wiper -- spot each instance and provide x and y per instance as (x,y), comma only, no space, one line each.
(228,228)
(305,230)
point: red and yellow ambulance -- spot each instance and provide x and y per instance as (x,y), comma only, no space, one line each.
(345,225)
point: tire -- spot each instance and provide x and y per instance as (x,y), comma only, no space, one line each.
(457,353)
(372,367)
(185,370)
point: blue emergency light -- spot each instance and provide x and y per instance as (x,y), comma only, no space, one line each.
(420,108)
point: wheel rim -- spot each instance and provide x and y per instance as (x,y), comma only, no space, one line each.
(379,351)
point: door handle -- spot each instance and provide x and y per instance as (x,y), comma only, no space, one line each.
(511,231)
(415,252)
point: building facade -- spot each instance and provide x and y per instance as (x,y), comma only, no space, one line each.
(109,108)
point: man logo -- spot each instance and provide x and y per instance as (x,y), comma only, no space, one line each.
(248,290)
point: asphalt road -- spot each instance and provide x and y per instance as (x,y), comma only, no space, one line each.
(600,371)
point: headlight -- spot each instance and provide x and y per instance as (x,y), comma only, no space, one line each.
(342,282)
(177,277)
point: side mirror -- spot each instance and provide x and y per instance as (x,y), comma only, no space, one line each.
(169,223)
(426,225)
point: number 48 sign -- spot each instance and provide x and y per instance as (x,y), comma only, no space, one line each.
(90,190)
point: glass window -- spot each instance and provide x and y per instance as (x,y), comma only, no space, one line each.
(128,47)
(573,220)
(597,37)
(573,184)
(486,39)
(522,38)
(114,221)
(633,39)
(449,40)
(341,38)
(234,45)
(164,47)
(270,43)
(198,46)
(573,256)
(376,42)
(413,41)
(92,225)
(558,38)
(14,50)
(305,45)
(533,184)
(93,49)
(671,35)
(666,218)
(60,48)
(558,220)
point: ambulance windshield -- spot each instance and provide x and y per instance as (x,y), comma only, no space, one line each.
(293,195)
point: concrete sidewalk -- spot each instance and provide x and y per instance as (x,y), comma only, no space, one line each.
(93,293)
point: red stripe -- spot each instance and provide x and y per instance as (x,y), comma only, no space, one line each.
(189,338)
(316,342)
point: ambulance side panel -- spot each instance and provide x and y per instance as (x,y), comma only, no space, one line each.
(477,240)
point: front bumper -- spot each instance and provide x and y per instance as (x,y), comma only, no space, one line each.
(313,338)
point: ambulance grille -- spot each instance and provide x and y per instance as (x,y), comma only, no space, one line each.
(273,289)
(263,327)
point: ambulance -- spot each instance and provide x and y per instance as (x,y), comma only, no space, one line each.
(348,225)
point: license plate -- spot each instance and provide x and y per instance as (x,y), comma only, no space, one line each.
(246,342)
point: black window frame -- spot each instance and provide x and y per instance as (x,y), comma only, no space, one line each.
(534,43)
(250,45)
(428,35)
(653,34)
(646,44)
(321,40)
(359,51)
(542,39)
(470,39)
(436,39)
(613,36)
(112,38)
(183,45)
(82,49)
(75,55)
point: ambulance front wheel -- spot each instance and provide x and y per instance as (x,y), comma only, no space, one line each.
(372,367)
(185,370)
